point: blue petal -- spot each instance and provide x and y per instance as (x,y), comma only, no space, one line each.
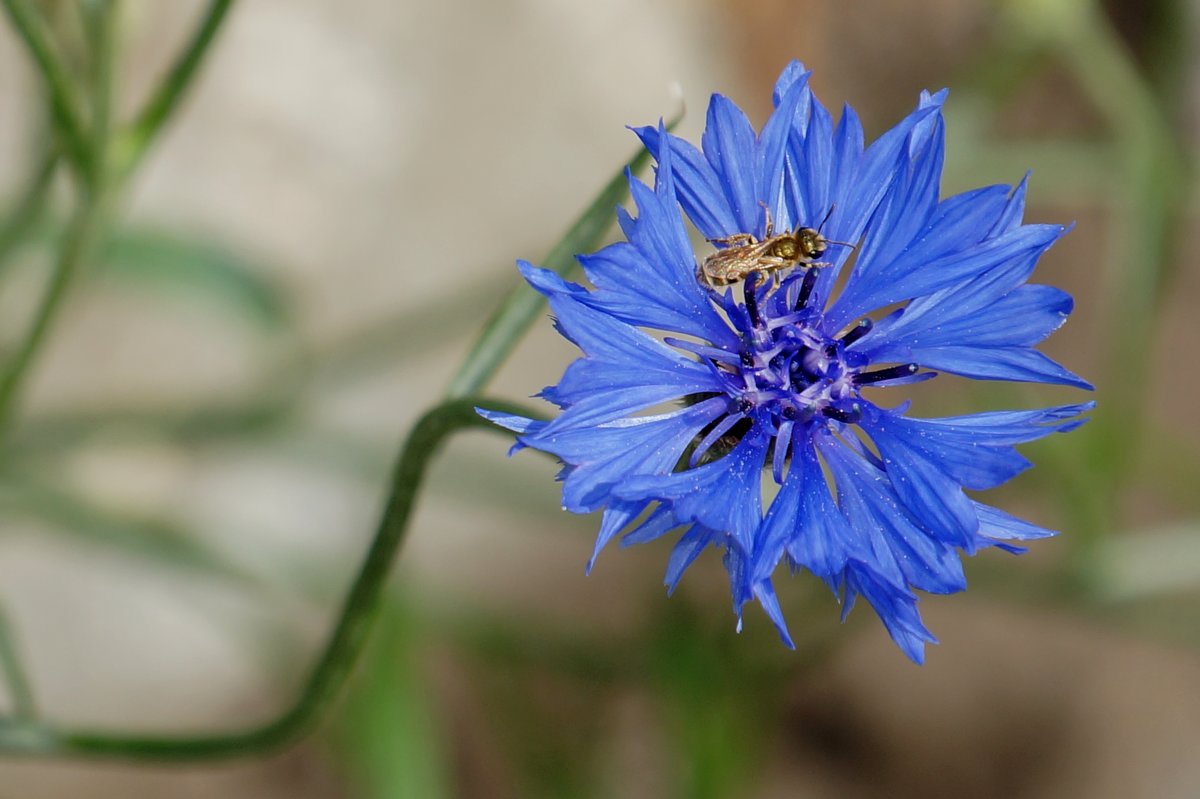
(699,188)
(973,305)
(1014,210)
(1018,364)
(804,520)
(722,495)
(613,453)
(655,526)
(971,296)
(764,592)
(902,552)
(665,277)
(960,222)
(817,162)
(910,275)
(995,523)
(518,424)
(931,495)
(729,144)
(625,371)
(896,607)
(977,450)
(863,182)
(633,290)
(772,151)
(879,167)
(616,518)
(689,547)
(597,333)
(848,152)
(1022,318)
(792,74)
(1010,427)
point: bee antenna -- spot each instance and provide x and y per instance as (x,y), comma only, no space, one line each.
(843,243)
(828,214)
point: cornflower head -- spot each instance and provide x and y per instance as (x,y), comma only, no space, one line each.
(763,357)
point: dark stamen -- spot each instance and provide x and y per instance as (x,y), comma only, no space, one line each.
(747,359)
(806,288)
(847,417)
(859,330)
(751,299)
(891,373)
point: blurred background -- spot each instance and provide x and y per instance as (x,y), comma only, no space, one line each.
(196,463)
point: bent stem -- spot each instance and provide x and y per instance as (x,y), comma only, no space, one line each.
(342,649)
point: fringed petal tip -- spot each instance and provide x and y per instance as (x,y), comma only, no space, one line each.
(764,592)
(518,424)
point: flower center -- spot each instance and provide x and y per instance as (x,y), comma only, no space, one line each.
(789,366)
(789,370)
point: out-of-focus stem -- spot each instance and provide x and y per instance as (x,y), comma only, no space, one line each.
(79,240)
(19,688)
(29,205)
(165,101)
(63,92)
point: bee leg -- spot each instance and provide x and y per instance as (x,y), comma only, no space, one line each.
(736,240)
(773,262)
(770,224)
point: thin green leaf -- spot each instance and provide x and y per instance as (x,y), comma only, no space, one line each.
(177,263)
(160,541)
(19,688)
(389,735)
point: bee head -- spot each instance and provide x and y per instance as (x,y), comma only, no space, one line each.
(810,242)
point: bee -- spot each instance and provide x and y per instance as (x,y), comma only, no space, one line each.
(741,254)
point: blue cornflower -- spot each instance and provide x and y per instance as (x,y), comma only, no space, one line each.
(764,380)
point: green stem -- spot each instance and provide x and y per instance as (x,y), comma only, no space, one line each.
(102,40)
(340,652)
(519,310)
(88,221)
(20,691)
(28,207)
(62,91)
(169,95)
(80,237)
